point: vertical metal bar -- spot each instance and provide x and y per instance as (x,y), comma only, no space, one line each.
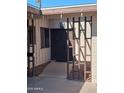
(85,50)
(28,47)
(27,22)
(85,26)
(73,49)
(50,40)
(91,27)
(67,49)
(79,48)
(32,47)
(91,49)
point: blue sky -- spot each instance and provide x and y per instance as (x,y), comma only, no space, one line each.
(53,3)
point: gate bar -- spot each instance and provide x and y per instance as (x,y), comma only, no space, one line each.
(67,49)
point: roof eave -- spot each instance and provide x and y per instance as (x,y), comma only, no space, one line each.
(69,9)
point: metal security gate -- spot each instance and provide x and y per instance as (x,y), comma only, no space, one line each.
(30,48)
(79,43)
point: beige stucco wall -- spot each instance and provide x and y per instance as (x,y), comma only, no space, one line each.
(94,50)
(41,55)
(94,60)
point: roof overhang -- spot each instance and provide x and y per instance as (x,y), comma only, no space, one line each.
(69,9)
(32,10)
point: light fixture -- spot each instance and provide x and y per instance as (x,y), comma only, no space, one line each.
(61,15)
(32,16)
(81,12)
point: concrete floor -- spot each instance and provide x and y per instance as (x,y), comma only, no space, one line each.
(89,88)
(53,80)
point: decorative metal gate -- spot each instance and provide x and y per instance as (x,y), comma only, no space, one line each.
(79,43)
(30,48)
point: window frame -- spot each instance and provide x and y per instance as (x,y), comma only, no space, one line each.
(44,37)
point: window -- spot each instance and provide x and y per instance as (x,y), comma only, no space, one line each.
(44,37)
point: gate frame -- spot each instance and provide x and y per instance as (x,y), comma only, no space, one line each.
(30,71)
(80,28)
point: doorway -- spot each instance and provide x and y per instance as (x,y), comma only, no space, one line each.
(58,45)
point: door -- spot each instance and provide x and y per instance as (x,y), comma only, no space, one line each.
(59,45)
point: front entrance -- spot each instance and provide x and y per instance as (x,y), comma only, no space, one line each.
(73,45)
(59,45)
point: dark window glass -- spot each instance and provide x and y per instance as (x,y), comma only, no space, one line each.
(44,37)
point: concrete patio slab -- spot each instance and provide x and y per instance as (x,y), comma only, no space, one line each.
(55,69)
(89,88)
(53,80)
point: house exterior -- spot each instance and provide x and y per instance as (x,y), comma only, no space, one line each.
(57,18)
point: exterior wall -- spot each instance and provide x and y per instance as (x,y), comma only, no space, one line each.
(94,50)
(94,60)
(42,55)
(54,20)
